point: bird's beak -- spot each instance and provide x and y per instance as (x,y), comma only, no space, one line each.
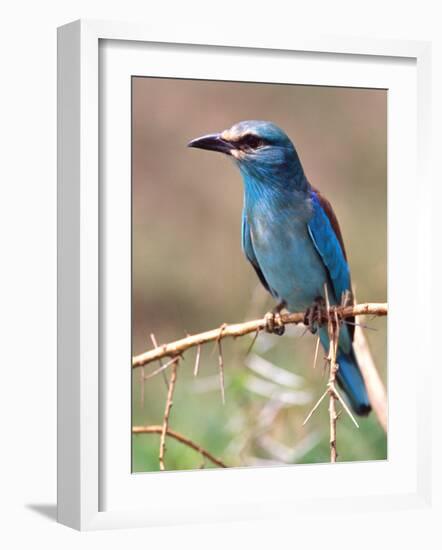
(212,142)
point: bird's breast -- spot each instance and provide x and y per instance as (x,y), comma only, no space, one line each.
(287,257)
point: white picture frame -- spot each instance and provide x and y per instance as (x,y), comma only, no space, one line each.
(82,447)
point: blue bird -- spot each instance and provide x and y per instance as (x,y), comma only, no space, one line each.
(291,235)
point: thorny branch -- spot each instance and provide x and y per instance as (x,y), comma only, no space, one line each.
(333,326)
(333,334)
(332,315)
(182,439)
(167,413)
(176,348)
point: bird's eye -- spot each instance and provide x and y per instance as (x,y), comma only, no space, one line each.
(251,141)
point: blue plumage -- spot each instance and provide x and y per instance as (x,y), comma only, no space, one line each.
(290,234)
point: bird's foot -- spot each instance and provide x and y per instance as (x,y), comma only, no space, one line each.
(315,314)
(274,324)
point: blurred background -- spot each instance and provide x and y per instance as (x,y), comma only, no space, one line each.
(189,274)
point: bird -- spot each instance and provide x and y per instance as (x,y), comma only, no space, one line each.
(291,236)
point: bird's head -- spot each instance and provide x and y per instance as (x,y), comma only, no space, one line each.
(261,150)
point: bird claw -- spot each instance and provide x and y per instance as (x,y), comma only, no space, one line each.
(314,315)
(274,324)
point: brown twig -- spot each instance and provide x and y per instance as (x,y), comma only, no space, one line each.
(333,334)
(182,439)
(333,326)
(221,364)
(333,419)
(167,413)
(240,329)
(375,388)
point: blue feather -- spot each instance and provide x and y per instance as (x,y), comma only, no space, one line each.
(329,248)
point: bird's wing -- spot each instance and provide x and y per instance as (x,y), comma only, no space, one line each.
(249,252)
(326,236)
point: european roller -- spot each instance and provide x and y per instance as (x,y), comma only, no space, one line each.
(291,235)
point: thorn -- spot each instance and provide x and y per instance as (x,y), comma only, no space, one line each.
(142,378)
(197,360)
(160,369)
(344,404)
(304,332)
(221,363)
(315,407)
(155,344)
(359,325)
(316,352)
(253,342)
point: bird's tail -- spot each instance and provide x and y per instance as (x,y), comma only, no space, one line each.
(350,380)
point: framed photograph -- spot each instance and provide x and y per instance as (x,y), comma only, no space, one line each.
(232,292)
